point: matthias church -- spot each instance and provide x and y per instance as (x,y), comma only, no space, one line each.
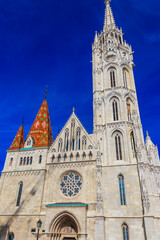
(80,186)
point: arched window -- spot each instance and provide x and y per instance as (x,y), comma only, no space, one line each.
(60,145)
(71,157)
(84,156)
(77,156)
(132,143)
(31,159)
(11,162)
(27,160)
(84,143)
(40,159)
(24,161)
(65,157)
(66,140)
(125,232)
(53,158)
(125,77)
(118,146)
(122,190)
(90,155)
(112,78)
(115,110)
(78,140)
(21,161)
(59,158)
(72,134)
(19,194)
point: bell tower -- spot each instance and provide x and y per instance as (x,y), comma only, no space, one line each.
(116,114)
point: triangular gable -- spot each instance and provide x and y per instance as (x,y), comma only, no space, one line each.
(18,140)
(61,137)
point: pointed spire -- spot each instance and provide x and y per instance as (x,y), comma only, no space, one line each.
(109,19)
(148,140)
(96,37)
(18,140)
(41,130)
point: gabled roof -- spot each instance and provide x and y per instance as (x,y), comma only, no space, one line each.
(41,130)
(67,126)
(18,140)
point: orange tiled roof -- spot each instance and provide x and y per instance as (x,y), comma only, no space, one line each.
(18,140)
(41,130)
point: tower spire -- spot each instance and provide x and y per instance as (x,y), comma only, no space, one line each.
(109,19)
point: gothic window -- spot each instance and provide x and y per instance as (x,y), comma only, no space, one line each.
(11,162)
(40,159)
(59,158)
(78,140)
(129,111)
(24,161)
(125,77)
(72,135)
(60,145)
(115,110)
(71,157)
(19,194)
(53,158)
(71,184)
(122,190)
(65,157)
(118,146)
(21,161)
(112,78)
(77,156)
(31,158)
(125,232)
(27,160)
(84,156)
(90,155)
(84,143)
(132,143)
(66,140)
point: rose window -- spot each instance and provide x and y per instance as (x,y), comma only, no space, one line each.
(71,184)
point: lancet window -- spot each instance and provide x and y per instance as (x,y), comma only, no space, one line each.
(112,78)
(66,140)
(122,190)
(125,77)
(78,140)
(118,147)
(31,159)
(84,143)
(27,160)
(132,143)
(21,161)
(19,194)
(125,231)
(90,155)
(72,135)
(60,145)
(115,110)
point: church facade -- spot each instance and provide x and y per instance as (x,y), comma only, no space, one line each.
(99,186)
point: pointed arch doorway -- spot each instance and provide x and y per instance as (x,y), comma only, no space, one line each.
(65,227)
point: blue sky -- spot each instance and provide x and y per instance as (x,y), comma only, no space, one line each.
(49,43)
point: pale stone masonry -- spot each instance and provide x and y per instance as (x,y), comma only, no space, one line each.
(103,186)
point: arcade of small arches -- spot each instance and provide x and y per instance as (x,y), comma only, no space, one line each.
(71,157)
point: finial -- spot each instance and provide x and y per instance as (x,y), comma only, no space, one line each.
(147,133)
(73,110)
(22,121)
(107,1)
(46,91)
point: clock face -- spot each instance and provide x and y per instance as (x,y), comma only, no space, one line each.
(71,184)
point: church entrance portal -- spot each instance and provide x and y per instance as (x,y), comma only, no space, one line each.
(65,227)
